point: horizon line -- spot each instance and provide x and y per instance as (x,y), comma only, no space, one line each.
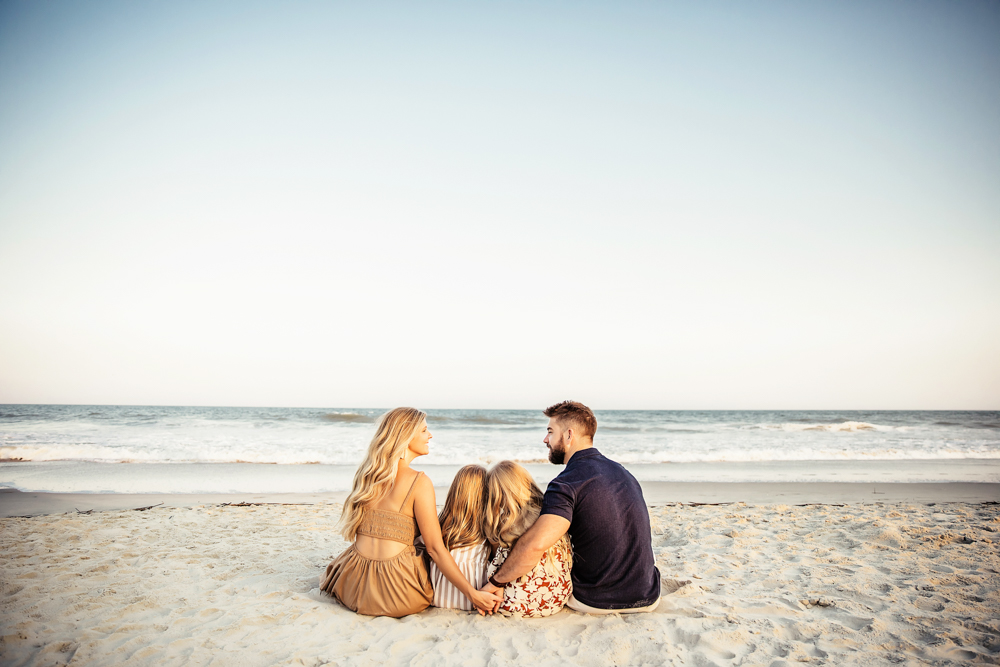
(326,407)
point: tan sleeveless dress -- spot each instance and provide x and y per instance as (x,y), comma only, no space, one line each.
(394,586)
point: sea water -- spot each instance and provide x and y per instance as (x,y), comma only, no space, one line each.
(42,444)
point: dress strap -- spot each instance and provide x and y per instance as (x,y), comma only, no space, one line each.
(410,492)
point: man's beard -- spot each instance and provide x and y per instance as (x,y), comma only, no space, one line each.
(557,456)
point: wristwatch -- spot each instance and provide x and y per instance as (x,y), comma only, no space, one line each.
(494,582)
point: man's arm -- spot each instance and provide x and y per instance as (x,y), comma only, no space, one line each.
(529,549)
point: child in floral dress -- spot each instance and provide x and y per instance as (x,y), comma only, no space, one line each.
(513,505)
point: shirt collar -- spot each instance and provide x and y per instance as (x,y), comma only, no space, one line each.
(584,454)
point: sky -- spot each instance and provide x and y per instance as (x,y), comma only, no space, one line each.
(648,205)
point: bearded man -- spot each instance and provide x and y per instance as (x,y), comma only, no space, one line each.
(600,505)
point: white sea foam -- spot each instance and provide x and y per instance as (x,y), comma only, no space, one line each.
(470,454)
(340,437)
(846,426)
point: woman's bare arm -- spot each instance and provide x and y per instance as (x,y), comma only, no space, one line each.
(425,512)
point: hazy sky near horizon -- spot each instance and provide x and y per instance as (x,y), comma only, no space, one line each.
(636,205)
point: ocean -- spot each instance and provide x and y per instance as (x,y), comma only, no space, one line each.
(125,448)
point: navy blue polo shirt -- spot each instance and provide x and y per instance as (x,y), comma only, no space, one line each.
(613,565)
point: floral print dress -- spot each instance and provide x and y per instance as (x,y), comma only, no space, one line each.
(544,590)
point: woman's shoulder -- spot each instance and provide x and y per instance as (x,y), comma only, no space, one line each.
(418,483)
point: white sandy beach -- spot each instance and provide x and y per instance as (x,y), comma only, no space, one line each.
(865,583)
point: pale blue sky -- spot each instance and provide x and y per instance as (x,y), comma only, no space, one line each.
(637,205)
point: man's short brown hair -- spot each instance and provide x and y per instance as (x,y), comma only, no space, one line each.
(577,414)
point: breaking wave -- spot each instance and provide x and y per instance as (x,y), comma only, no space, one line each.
(474,454)
(839,427)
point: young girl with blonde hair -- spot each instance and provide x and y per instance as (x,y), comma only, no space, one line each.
(462,533)
(381,573)
(513,504)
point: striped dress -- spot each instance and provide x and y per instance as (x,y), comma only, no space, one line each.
(472,561)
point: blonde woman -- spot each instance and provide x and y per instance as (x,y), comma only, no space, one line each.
(513,504)
(381,573)
(462,533)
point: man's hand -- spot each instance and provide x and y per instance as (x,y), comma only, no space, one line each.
(496,592)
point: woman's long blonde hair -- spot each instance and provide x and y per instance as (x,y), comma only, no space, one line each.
(374,479)
(513,503)
(464,509)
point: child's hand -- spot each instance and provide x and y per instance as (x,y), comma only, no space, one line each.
(496,595)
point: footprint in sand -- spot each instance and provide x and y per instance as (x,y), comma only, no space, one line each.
(856,622)
(928,605)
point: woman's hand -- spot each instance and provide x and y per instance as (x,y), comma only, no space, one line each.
(487,602)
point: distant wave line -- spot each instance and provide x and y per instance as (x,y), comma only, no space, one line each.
(19,455)
(348,417)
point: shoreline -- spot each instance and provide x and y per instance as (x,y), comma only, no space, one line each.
(90,477)
(15,503)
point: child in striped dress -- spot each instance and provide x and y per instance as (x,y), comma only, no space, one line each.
(462,533)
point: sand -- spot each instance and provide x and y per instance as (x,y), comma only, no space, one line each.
(866,583)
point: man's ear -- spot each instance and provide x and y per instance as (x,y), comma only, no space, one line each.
(569,434)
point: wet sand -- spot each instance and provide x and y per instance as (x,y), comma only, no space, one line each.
(17,503)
